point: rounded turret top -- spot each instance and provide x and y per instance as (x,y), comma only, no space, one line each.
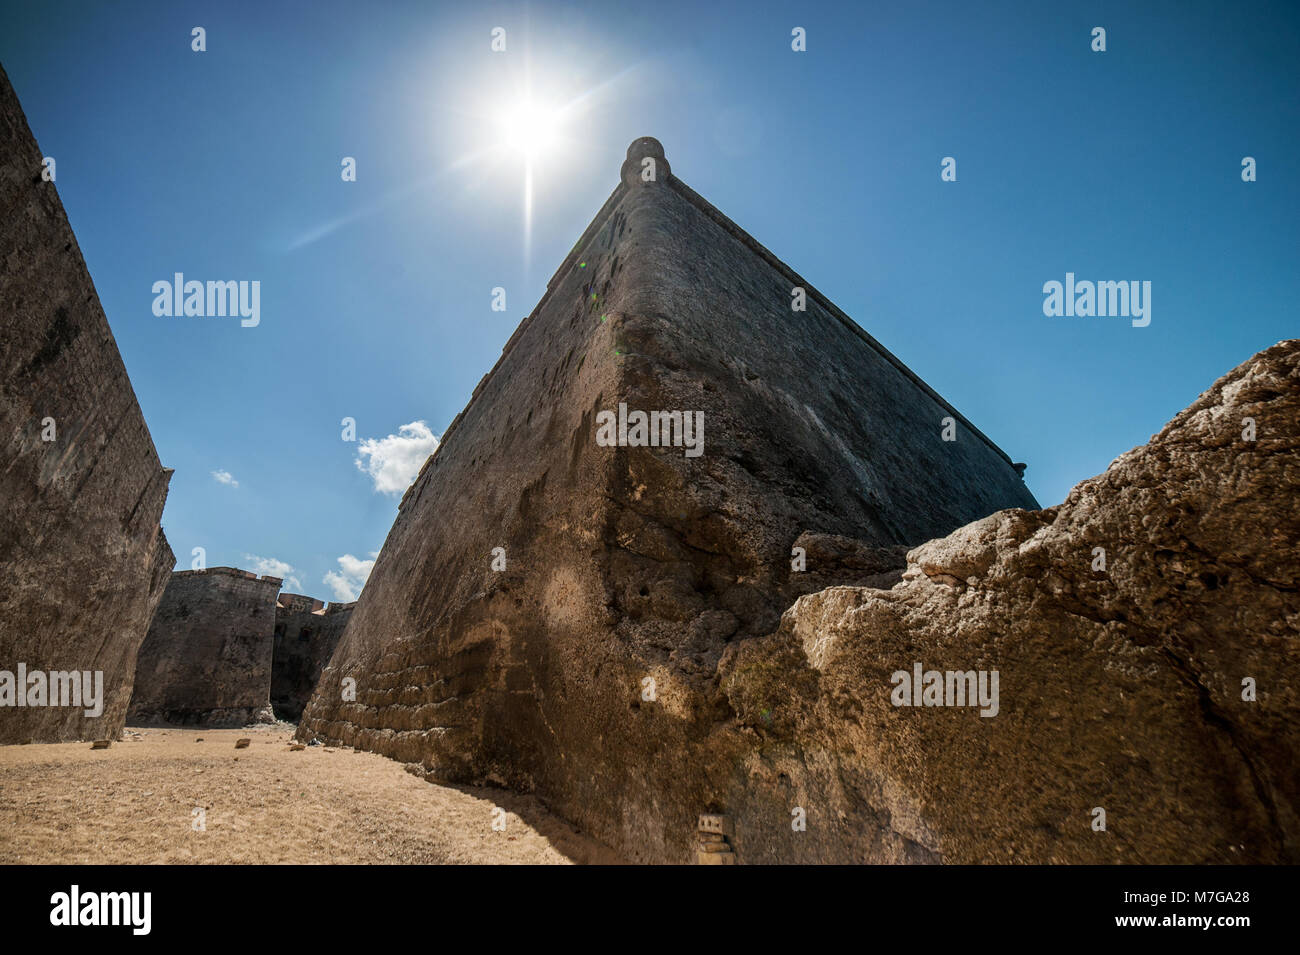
(635,169)
(645,146)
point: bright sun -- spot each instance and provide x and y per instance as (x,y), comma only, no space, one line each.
(532,130)
(529,128)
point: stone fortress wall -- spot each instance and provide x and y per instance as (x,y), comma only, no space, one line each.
(207,658)
(306,633)
(226,649)
(628,563)
(83,559)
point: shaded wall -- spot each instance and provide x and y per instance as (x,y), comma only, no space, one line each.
(83,560)
(306,633)
(207,658)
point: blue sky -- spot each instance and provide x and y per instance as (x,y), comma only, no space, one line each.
(375,294)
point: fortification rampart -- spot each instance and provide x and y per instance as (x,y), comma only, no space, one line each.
(83,560)
(207,659)
(228,572)
(306,633)
(625,562)
(298,603)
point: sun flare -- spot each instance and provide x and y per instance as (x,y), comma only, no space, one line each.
(529,128)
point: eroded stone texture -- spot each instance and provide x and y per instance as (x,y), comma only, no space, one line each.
(306,633)
(207,658)
(83,560)
(625,564)
(1120,689)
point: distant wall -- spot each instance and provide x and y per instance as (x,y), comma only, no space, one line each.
(207,658)
(306,633)
(83,560)
(297,603)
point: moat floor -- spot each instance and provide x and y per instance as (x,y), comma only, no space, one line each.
(134,803)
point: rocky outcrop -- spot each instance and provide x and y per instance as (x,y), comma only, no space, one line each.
(306,633)
(549,610)
(83,560)
(207,658)
(1146,634)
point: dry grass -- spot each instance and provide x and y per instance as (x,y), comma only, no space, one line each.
(133,803)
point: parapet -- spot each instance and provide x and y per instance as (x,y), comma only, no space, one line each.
(299,603)
(228,572)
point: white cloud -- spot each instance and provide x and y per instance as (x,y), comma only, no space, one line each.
(351,577)
(276,568)
(393,462)
(224,477)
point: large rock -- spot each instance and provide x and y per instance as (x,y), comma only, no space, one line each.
(1120,689)
(83,560)
(207,658)
(627,564)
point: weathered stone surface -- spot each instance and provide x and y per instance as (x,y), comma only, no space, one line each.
(306,633)
(1119,689)
(83,560)
(711,823)
(834,560)
(716,858)
(207,658)
(633,563)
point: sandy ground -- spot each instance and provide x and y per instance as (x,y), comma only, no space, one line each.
(134,802)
